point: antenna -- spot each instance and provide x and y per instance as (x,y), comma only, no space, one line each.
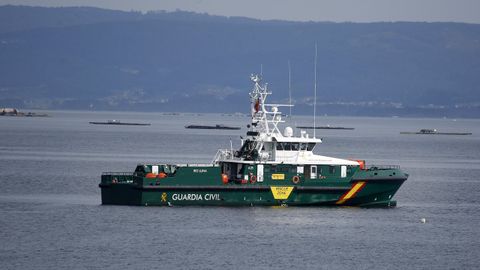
(261,70)
(315,93)
(290,88)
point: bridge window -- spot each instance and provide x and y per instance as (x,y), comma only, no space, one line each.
(287,146)
(295,146)
(310,146)
(279,146)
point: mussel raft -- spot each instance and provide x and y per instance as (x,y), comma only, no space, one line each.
(271,168)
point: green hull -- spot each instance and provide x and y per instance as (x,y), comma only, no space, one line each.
(371,188)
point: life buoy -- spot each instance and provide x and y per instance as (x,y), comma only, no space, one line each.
(224,178)
(253,179)
(296,179)
(162,175)
(150,175)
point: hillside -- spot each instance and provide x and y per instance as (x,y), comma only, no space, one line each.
(89,58)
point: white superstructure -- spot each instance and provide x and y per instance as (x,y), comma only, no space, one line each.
(265,143)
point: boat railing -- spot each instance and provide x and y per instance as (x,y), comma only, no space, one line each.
(196,165)
(225,154)
(117,177)
(382,167)
(116,173)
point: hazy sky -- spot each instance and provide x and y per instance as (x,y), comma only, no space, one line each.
(299,10)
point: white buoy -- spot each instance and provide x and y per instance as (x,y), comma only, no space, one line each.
(423,220)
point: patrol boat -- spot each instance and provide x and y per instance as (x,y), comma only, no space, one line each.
(271,168)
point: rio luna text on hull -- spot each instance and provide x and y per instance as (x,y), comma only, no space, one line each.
(271,168)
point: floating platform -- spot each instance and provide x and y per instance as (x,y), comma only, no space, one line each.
(16,113)
(325,127)
(115,122)
(434,132)
(212,127)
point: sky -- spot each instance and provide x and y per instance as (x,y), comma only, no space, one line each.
(296,10)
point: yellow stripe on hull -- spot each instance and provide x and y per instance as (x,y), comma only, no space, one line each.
(351,192)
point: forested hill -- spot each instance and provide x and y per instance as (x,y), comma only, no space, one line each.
(96,59)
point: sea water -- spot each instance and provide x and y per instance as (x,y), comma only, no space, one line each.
(51,215)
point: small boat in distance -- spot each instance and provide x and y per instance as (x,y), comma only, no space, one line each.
(435,132)
(116,122)
(325,127)
(212,127)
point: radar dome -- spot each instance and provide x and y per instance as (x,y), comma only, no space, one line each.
(288,132)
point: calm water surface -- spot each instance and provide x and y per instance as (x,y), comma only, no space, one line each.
(51,216)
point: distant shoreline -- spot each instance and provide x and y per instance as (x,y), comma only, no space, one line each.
(49,112)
